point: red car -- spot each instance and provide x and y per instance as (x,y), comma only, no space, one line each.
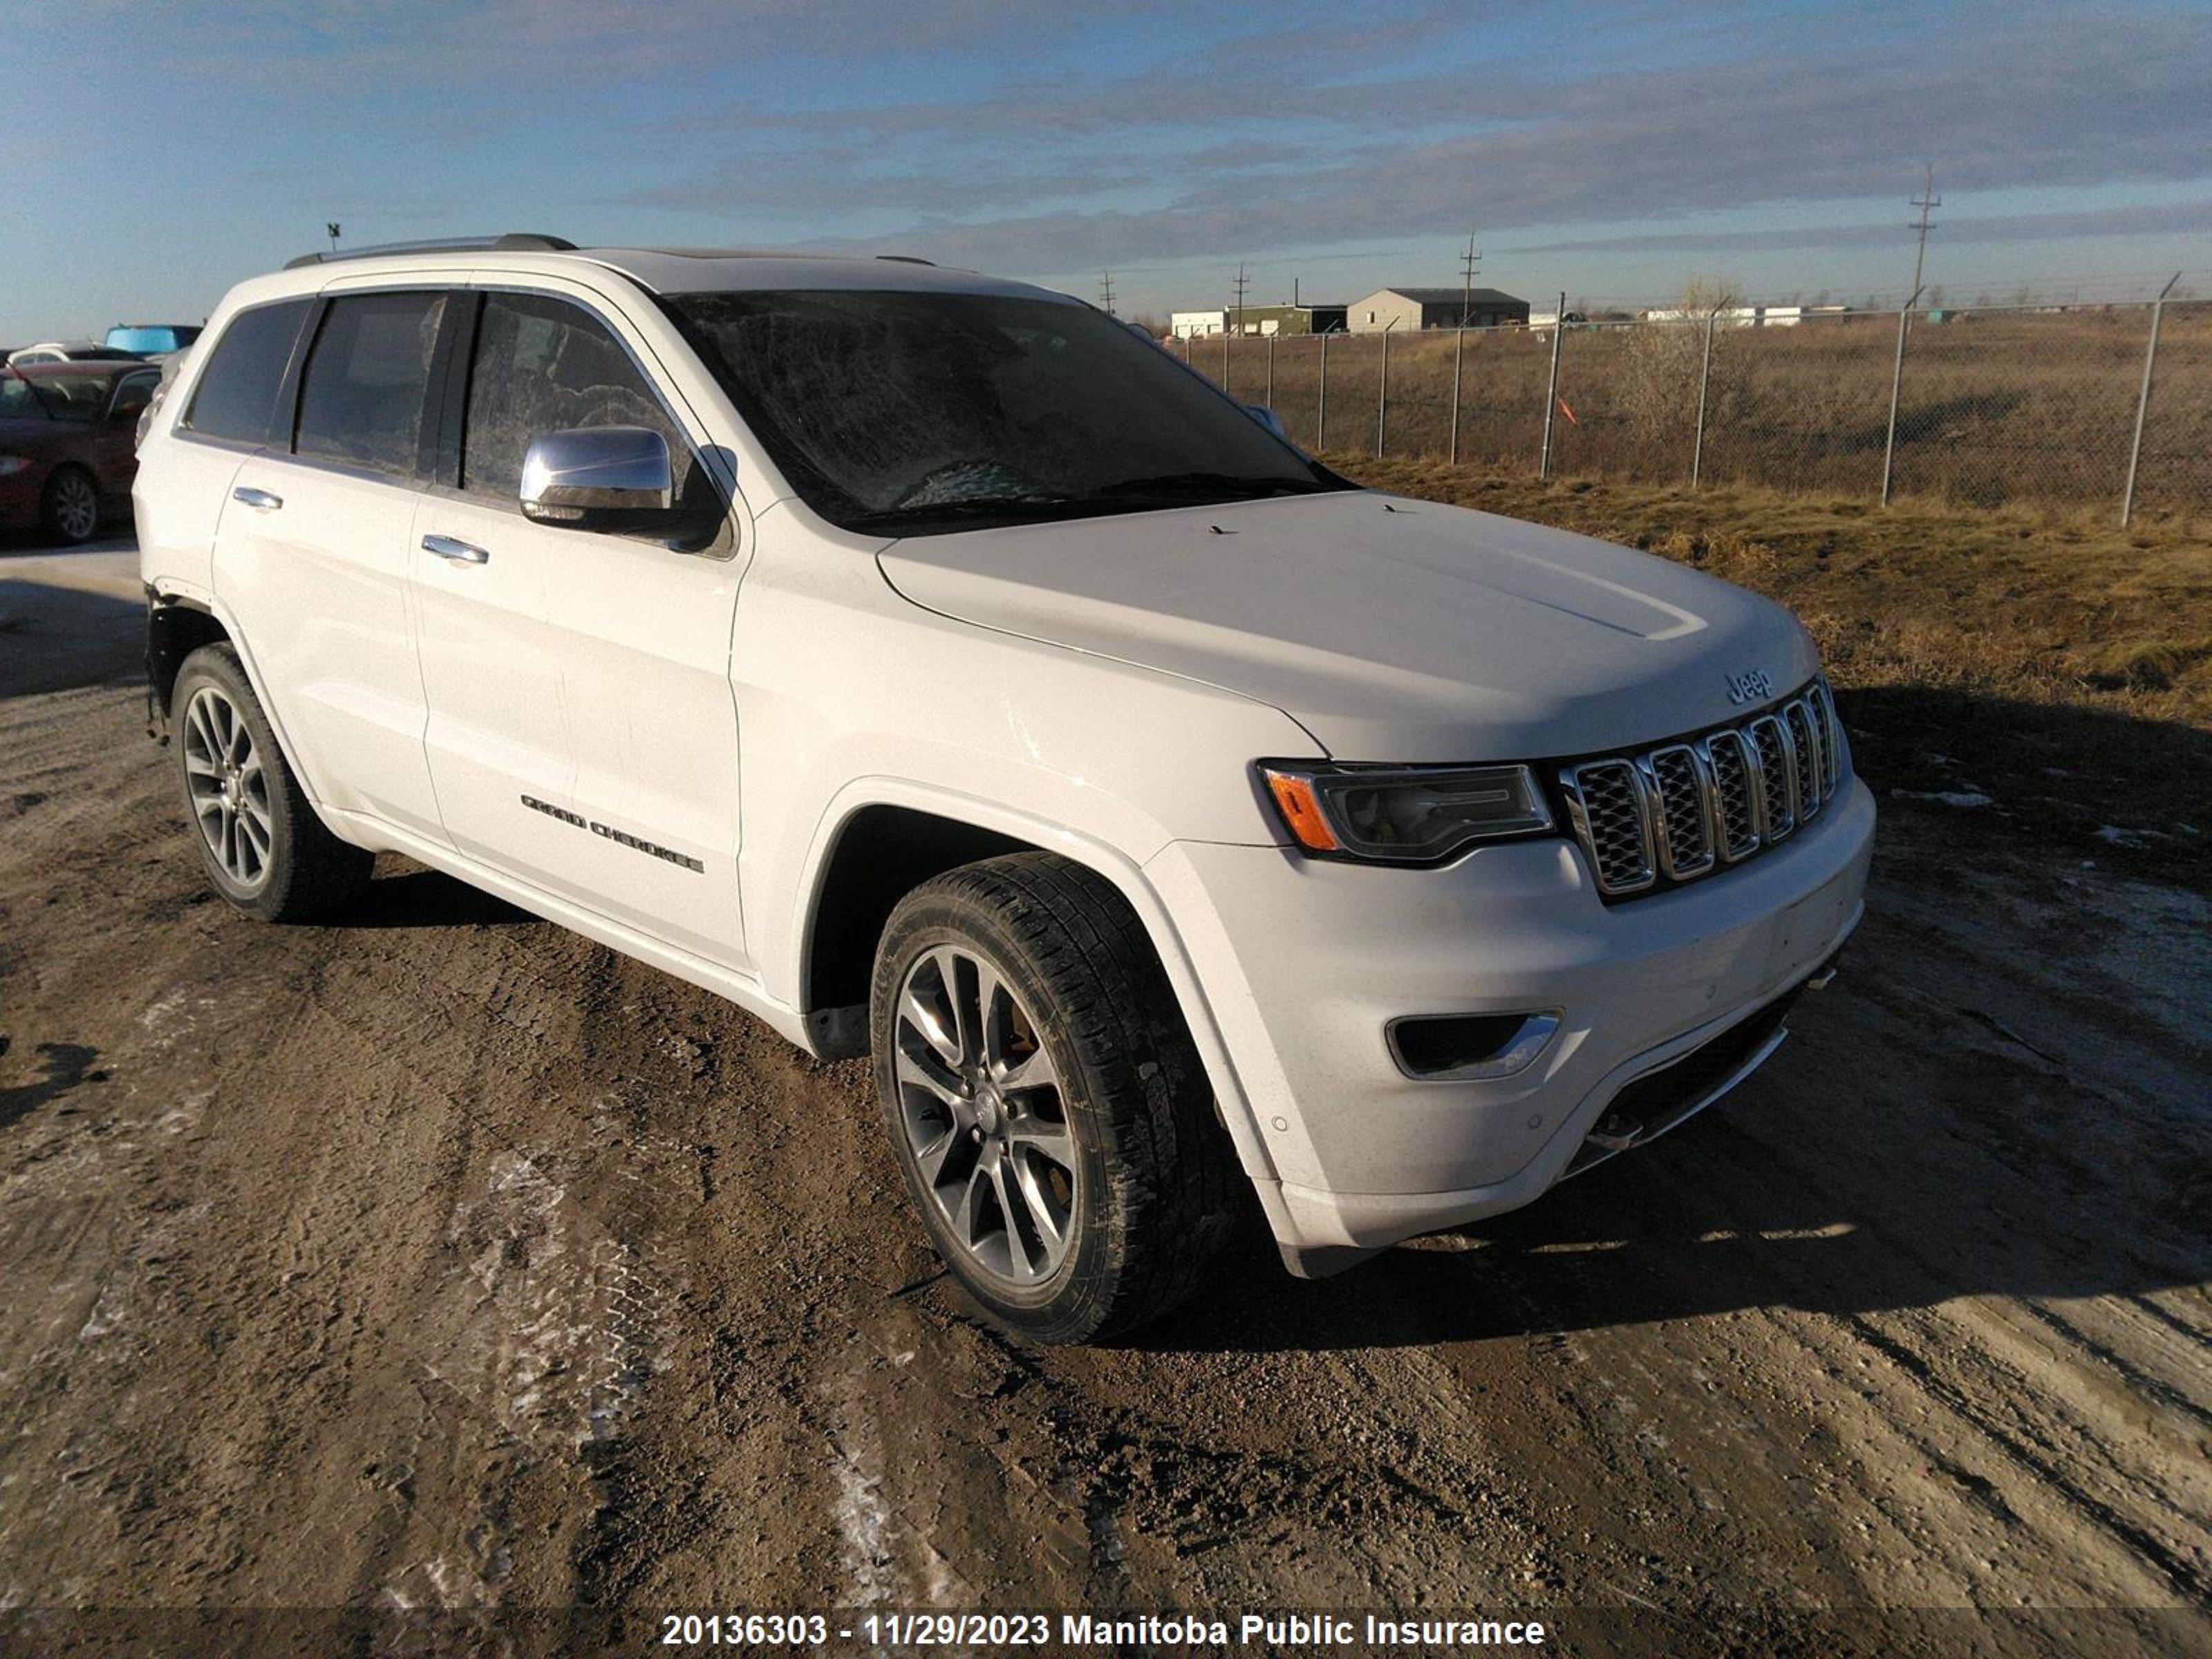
(68,442)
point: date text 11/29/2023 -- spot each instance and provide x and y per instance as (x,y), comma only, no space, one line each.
(1268,1631)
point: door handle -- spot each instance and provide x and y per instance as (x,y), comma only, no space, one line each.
(261,498)
(459,552)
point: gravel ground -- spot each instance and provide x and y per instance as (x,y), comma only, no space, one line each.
(437,1258)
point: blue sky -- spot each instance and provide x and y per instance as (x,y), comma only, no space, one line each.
(1608,150)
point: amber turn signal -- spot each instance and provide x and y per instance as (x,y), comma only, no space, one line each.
(1294,800)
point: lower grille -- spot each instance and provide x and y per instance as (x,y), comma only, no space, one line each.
(1684,810)
(1651,1104)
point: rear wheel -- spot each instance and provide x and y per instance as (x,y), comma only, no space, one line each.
(69,506)
(1049,1112)
(259,836)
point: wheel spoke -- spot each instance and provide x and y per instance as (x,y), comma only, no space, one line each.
(1048,1136)
(1050,1225)
(927,1073)
(991,999)
(953,970)
(1034,1072)
(1014,1207)
(198,765)
(917,1016)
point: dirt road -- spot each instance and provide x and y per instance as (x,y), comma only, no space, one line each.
(437,1258)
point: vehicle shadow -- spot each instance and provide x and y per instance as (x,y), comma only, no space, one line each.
(55,637)
(1720,1219)
(412,896)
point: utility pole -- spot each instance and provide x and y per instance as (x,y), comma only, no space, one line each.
(1238,325)
(1106,291)
(332,226)
(1467,261)
(1928,201)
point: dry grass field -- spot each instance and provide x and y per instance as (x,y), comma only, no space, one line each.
(1996,408)
(2051,662)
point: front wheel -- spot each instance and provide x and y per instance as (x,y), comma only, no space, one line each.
(259,836)
(1049,1112)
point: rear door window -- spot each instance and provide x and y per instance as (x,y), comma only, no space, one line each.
(366,386)
(236,399)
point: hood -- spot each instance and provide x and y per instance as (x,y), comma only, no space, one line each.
(1391,629)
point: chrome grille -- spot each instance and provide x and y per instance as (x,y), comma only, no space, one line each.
(1681,811)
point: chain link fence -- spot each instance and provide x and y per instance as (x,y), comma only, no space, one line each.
(1983,406)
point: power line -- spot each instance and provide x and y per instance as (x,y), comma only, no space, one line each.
(1928,201)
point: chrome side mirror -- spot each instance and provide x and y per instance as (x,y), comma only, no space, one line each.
(1268,418)
(598,478)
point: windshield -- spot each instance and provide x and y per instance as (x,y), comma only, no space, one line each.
(910,413)
(52,396)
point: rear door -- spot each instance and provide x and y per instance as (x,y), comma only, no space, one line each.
(583,731)
(311,555)
(230,411)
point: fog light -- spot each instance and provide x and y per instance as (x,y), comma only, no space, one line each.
(1469,1048)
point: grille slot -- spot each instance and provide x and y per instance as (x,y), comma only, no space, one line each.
(1736,791)
(1679,811)
(1685,814)
(1831,736)
(1607,807)
(1778,788)
(1805,756)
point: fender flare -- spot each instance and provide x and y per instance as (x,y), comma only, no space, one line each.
(1116,866)
(175,592)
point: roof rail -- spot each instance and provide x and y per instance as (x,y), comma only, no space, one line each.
(514,241)
(907,258)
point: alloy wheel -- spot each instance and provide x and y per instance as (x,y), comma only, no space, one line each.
(985,1117)
(76,507)
(229,790)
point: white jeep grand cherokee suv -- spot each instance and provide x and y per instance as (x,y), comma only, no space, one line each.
(929,665)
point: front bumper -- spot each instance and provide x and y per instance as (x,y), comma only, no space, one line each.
(1303,963)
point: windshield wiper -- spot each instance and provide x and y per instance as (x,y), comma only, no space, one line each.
(1212,486)
(976,507)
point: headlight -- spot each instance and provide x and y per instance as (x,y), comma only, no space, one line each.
(1404,815)
(11,464)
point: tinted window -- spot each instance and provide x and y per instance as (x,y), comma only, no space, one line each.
(237,394)
(367,381)
(545,366)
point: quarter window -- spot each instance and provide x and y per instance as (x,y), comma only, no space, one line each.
(545,366)
(369,380)
(236,399)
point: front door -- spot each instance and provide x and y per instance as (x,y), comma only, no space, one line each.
(582,729)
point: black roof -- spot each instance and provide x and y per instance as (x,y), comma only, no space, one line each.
(1452,296)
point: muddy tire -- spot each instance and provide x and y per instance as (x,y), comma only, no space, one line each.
(69,507)
(1048,1109)
(257,835)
